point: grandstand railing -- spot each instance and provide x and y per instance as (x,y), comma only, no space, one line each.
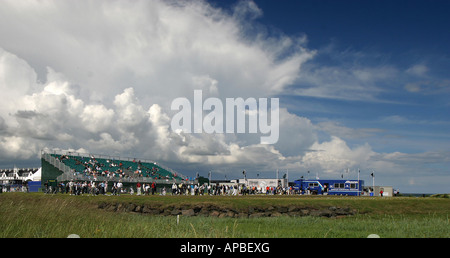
(70,174)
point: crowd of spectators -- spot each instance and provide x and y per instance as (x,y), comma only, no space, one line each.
(227,189)
(118,188)
(92,167)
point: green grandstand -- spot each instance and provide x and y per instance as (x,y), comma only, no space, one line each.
(63,166)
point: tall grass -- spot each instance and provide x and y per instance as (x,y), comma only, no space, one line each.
(46,216)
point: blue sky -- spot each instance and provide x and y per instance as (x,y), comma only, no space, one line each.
(362,84)
(407,39)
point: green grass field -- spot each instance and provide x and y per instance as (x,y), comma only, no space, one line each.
(36,215)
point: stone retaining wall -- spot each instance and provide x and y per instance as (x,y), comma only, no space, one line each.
(222,212)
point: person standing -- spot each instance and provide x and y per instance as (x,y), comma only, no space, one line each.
(138,188)
(105,186)
(153,188)
(46,186)
(147,189)
(71,187)
(114,189)
(101,187)
(174,189)
(119,187)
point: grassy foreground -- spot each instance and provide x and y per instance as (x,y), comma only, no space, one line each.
(36,215)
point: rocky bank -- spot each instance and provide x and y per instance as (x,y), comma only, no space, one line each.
(223,212)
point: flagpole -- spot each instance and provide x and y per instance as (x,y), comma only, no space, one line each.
(359,192)
(287,178)
(373,181)
(277,175)
(210,177)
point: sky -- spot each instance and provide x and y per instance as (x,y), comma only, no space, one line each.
(362,85)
